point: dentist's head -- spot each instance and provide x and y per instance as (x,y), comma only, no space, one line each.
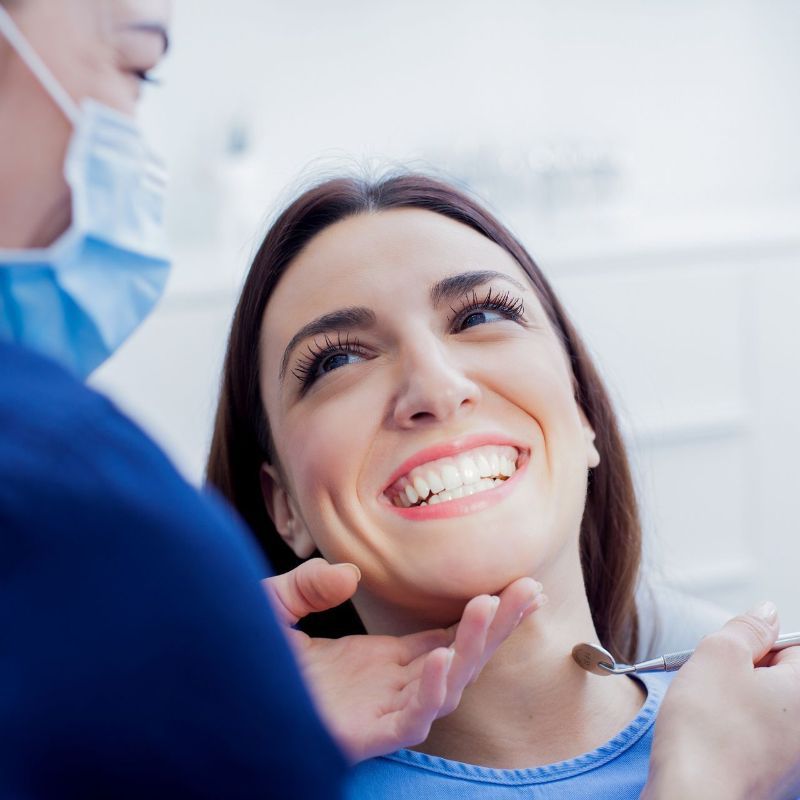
(82,255)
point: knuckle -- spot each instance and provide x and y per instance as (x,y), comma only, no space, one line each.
(741,637)
(724,644)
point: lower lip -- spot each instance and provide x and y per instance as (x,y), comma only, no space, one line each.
(464,505)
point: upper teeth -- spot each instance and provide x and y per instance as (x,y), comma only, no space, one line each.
(450,478)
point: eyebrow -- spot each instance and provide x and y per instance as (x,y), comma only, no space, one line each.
(152,27)
(361,317)
(343,319)
(456,286)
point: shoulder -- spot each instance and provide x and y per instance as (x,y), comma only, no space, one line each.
(49,415)
(70,461)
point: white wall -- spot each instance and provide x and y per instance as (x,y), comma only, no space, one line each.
(645,151)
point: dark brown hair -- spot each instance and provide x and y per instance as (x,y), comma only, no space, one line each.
(610,537)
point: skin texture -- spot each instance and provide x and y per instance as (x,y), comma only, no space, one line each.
(419,384)
(422,377)
(378,693)
(97,49)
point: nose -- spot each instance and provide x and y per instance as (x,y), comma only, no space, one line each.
(434,387)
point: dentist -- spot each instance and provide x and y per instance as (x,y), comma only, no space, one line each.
(138,652)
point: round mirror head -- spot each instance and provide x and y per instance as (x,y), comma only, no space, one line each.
(594,658)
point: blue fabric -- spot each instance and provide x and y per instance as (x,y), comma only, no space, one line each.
(138,655)
(617,770)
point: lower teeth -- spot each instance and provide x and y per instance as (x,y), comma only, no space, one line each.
(461,491)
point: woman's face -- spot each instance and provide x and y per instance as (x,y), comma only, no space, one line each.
(100,49)
(95,48)
(404,356)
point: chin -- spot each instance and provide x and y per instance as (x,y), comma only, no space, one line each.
(468,572)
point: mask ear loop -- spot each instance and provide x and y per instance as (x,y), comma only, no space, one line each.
(35,64)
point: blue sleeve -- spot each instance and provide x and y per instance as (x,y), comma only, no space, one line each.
(138,654)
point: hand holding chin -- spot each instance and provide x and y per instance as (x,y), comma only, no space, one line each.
(381,693)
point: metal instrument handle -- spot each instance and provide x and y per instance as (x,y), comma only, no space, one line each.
(674,661)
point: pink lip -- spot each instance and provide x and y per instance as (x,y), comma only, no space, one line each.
(464,505)
(450,449)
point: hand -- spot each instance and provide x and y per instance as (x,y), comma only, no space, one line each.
(728,729)
(380,693)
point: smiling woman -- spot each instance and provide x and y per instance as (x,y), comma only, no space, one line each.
(404,391)
(243,442)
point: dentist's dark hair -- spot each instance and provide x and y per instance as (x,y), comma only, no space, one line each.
(610,538)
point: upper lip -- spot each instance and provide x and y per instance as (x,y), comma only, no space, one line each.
(451,448)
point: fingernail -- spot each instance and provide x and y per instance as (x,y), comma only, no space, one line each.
(536,593)
(535,604)
(767,611)
(495,603)
(354,567)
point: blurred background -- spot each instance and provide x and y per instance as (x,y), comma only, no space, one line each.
(646,153)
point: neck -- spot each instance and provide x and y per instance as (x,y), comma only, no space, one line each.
(532,704)
(34,197)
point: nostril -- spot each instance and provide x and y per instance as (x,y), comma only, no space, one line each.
(421,416)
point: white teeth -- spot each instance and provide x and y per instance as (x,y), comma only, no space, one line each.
(434,481)
(459,476)
(507,467)
(450,477)
(421,487)
(484,468)
(468,469)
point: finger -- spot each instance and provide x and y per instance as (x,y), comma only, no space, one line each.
(745,639)
(419,706)
(414,645)
(468,647)
(315,585)
(517,601)
(789,656)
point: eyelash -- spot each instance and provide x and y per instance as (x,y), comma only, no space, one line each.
(145,77)
(306,369)
(506,303)
(308,365)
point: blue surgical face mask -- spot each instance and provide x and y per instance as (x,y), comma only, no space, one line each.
(80,298)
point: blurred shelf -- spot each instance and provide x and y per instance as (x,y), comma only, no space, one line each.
(631,241)
(722,575)
(211,273)
(696,425)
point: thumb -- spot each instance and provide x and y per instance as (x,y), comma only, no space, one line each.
(315,585)
(753,633)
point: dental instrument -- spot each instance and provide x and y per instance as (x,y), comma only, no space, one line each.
(596,659)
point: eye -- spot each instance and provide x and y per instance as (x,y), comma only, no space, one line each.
(322,359)
(492,308)
(480,318)
(335,361)
(146,77)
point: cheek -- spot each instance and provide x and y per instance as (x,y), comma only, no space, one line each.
(535,378)
(323,448)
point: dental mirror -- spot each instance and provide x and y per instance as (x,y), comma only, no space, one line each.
(593,658)
(596,659)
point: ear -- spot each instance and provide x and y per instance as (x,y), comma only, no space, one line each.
(283,513)
(592,454)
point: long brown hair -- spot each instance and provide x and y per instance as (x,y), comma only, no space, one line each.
(610,537)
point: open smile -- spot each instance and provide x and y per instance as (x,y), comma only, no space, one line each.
(464,482)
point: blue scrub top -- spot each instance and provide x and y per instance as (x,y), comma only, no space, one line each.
(138,654)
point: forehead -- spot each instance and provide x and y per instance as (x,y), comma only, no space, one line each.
(380,259)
